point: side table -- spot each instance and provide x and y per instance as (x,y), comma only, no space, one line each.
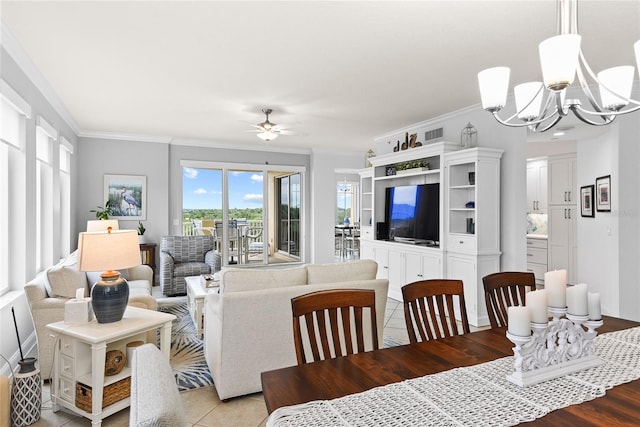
(196,292)
(148,255)
(79,357)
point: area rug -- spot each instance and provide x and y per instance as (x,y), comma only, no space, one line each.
(187,350)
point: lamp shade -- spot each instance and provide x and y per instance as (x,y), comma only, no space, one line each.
(528,100)
(615,86)
(117,250)
(559,60)
(494,85)
(636,48)
(267,135)
(102,224)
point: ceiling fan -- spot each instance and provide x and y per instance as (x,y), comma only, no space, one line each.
(268,131)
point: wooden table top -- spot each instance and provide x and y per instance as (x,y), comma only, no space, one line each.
(333,378)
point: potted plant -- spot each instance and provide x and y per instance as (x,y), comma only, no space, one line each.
(102,212)
(141,231)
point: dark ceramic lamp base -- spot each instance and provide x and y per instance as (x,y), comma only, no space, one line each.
(109,298)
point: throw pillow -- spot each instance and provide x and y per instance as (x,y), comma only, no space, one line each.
(240,279)
(64,278)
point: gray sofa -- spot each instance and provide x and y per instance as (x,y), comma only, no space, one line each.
(183,256)
(51,289)
(248,324)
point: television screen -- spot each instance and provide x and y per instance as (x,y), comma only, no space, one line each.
(413,213)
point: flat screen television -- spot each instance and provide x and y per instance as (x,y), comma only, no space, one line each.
(413,213)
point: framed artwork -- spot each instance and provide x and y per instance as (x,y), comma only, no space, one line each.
(127,196)
(586,201)
(603,194)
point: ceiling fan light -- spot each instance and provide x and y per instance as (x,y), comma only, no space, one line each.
(528,100)
(615,86)
(267,135)
(494,85)
(559,60)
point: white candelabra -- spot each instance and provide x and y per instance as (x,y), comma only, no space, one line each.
(556,348)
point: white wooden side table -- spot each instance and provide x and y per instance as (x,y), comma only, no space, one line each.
(80,351)
(196,292)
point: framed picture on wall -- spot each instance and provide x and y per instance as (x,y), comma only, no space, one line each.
(127,196)
(586,201)
(603,194)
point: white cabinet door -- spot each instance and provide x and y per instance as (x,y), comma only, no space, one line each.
(396,273)
(381,256)
(562,242)
(537,186)
(464,268)
(562,177)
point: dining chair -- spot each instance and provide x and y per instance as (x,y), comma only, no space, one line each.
(329,320)
(503,290)
(429,309)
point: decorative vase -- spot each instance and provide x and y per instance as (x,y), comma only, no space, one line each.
(109,298)
(26,394)
(141,239)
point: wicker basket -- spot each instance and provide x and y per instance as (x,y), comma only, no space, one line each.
(112,394)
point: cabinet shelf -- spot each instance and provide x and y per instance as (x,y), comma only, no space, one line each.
(463,187)
(87,380)
(462,209)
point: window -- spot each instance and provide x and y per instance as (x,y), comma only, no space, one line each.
(13,112)
(66,150)
(247,199)
(45,134)
(347,202)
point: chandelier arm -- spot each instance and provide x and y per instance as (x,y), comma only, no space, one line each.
(531,123)
(584,85)
(536,128)
(609,113)
(577,110)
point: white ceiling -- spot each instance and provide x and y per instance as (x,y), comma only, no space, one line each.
(336,73)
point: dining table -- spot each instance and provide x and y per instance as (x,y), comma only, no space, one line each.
(343,376)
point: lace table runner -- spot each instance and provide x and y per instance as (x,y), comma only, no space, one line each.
(474,396)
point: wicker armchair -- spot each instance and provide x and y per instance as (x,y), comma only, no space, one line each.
(182,256)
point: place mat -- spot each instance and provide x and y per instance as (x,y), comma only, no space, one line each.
(489,399)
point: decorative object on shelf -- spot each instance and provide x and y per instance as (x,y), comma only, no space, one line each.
(390,170)
(110,251)
(411,166)
(470,204)
(412,140)
(126,195)
(561,58)
(370,155)
(603,193)
(26,392)
(586,201)
(131,347)
(397,147)
(469,136)
(472,178)
(115,362)
(405,144)
(471,226)
(141,230)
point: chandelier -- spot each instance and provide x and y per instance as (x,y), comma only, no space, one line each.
(267,131)
(561,59)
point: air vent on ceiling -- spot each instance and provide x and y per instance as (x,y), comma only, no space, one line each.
(433,135)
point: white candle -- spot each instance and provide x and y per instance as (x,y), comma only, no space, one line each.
(537,303)
(577,300)
(519,321)
(555,282)
(594,306)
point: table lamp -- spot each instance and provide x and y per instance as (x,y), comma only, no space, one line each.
(102,224)
(109,250)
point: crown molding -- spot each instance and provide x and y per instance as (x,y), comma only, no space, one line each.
(13,48)
(125,137)
(266,147)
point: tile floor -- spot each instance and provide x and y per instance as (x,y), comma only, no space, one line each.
(204,408)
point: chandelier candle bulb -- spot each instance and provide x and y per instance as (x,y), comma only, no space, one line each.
(577,300)
(594,306)
(519,321)
(537,303)
(555,283)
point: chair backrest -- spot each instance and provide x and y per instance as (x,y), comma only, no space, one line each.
(331,318)
(503,290)
(187,248)
(154,393)
(429,309)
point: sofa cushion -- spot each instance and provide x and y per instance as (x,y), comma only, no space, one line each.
(244,279)
(341,272)
(64,278)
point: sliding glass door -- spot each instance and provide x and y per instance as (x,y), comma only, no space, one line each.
(254,214)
